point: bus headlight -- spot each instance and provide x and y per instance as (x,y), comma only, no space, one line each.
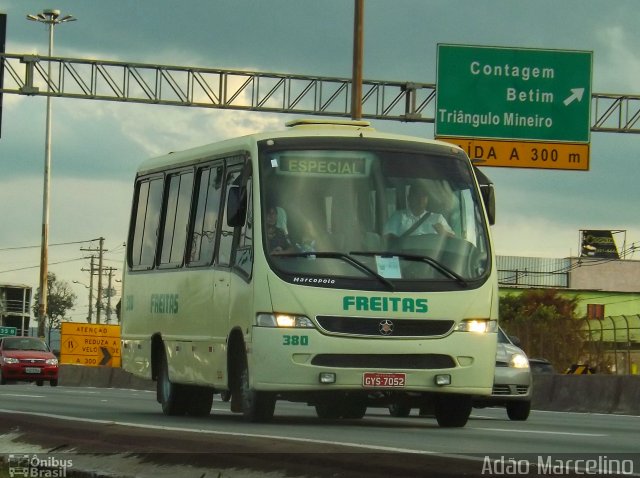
(519,361)
(479,326)
(283,320)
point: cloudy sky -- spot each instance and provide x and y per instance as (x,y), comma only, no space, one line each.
(98,145)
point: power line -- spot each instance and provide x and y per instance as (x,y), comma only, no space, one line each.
(50,245)
(35,267)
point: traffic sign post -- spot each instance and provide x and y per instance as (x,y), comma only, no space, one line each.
(510,94)
(90,344)
(8,331)
(525,154)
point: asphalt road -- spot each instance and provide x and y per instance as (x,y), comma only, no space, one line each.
(104,424)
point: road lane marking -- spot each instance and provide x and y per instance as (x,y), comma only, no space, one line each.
(235,434)
(21,395)
(543,432)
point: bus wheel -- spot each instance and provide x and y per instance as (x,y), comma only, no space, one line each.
(171,396)
(399,410)
(453,410)
(256,406)
(354,409)
(518,411)
(330,411)
(200,401)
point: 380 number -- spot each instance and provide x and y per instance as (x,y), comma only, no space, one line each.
(295,340)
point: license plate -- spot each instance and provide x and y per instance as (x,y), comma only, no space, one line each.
(383,380)
(32,370)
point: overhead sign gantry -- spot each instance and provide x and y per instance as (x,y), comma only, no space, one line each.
(516,107)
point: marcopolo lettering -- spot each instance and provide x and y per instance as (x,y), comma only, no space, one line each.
(164,303)
(313,280)
(384,304)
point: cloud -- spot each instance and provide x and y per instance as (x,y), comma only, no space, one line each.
(620,65)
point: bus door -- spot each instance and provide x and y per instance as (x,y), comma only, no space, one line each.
(222,269)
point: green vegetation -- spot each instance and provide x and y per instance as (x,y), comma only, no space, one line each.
(60,299)
(546,324)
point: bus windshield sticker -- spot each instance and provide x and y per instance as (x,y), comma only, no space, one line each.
(389,267)
(324,163)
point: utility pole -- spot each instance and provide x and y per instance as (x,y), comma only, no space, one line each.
(101,250)
(358,49)
(110,289)
(99,304)
(90,270)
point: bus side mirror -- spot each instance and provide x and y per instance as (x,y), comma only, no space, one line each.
(236,207)
(488,194)
(489,198)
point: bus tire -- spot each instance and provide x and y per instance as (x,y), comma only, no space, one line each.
(171,396)
(453,410)
(354,409)
(200,401)
(256,406)
(399,410)
(329,410)
(518,411)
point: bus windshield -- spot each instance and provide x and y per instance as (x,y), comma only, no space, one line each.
(400,215)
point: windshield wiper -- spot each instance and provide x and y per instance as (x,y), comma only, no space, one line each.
(414,257)
(345,257)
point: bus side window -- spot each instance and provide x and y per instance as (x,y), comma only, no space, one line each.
(147,219)
(174,234)
(226,235)
(205,218)
(244,253)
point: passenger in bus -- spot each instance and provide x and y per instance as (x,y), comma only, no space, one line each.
(277,239)
(415,220)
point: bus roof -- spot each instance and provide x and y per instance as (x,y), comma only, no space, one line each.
(299,127)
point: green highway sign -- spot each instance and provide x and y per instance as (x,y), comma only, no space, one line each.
(8,331)
(513,93)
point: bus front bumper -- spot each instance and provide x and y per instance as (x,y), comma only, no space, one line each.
(305,360)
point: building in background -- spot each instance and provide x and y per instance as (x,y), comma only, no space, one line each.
(608,292)
(15,307)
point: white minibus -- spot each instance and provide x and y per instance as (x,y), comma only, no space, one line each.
(327,263)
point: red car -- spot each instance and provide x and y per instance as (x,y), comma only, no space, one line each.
(27,359)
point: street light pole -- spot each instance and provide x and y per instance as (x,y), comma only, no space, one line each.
(50,18)
(358,51)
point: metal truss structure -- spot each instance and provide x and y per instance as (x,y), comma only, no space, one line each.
(255,91)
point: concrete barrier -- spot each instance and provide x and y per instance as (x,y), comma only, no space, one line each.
(555,392)
(101,377)
(587,393)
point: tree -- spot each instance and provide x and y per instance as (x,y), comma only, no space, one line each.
(60,299)
(546,324)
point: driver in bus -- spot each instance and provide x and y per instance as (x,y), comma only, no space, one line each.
(416,220)
(277,239)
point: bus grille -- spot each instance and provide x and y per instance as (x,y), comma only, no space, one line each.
(381,327)
(506,390)
(390,361)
